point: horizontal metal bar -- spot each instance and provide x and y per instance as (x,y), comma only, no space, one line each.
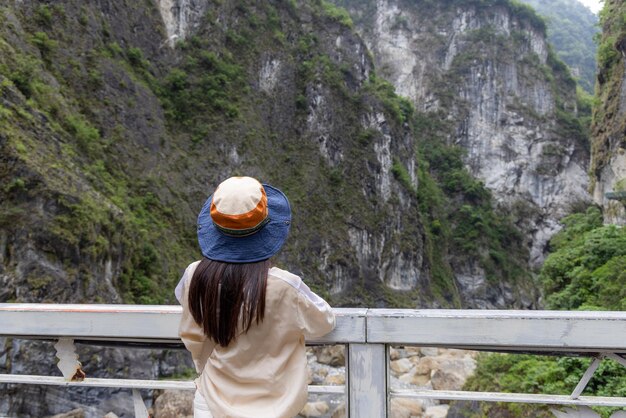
(508,397)
(138,323)
(131,383)
(551,331)
(496,330)
(98,382)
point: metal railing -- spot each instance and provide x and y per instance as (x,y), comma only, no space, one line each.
(367,334)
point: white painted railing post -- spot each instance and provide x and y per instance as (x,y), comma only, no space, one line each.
(367,379)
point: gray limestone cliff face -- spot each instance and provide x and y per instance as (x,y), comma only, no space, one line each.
(608,159)
(611,179)
(181,17)
(371,252)
(488,74)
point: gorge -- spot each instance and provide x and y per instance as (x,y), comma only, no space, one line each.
(428,148)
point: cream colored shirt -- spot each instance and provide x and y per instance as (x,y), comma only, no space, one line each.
(263,373)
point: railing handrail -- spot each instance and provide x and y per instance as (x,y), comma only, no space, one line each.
(367,333)
(509,330)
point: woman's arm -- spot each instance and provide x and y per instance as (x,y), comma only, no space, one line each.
(315,315)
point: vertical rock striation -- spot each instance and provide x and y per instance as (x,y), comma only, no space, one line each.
(181,17)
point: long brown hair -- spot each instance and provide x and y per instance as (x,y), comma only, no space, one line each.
(222,294)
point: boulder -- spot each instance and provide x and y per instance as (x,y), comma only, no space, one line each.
(315,409)
(442,380)
(405,408)
(425,365)
(74,413)
(412,351)
(437,411)
(335,379)
(331,355)
(401,366)
(462,367)
(429,351)
(415,379)
(174,404)
(340,412)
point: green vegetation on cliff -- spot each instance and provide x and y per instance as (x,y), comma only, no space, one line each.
(119,139)
(587,268)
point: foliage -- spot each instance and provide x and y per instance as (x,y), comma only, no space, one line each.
(86,135)
(541,374)
(44,43)
(43,15)
(135,57)
(586,269)
(402,175)
(205,83)
(399,107)
(475,228)
(337,13)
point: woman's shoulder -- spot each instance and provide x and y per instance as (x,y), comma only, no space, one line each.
(191,268)
(184,281)
(284,276)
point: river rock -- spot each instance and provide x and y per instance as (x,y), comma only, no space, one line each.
(340,412)
(331,355)
(429,351)
(412,351)
(405,408)
(425,365)
(110,415)
(174,404)
(315,409)
(462,367)
(415,379)
(437,411)
(401,366)
(74,413)
(394,353)
(443,380)
(335,379)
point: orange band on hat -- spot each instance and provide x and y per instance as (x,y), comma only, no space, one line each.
(244,220)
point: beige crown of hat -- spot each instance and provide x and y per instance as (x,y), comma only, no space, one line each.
(239,206)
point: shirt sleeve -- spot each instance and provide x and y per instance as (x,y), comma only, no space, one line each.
(315,316)
(190,332)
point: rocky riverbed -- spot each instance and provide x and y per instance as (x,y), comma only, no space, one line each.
(410,368)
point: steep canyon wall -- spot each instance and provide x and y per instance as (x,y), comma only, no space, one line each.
(488,70)
(117,119)
(608,166)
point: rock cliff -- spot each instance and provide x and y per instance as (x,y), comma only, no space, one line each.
(608,164)
(117,119)
(487,69)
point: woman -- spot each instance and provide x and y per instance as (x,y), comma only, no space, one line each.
(244,322)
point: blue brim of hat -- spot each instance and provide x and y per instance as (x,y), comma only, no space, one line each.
(259,246)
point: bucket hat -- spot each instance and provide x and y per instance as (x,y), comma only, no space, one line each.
(243,221)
